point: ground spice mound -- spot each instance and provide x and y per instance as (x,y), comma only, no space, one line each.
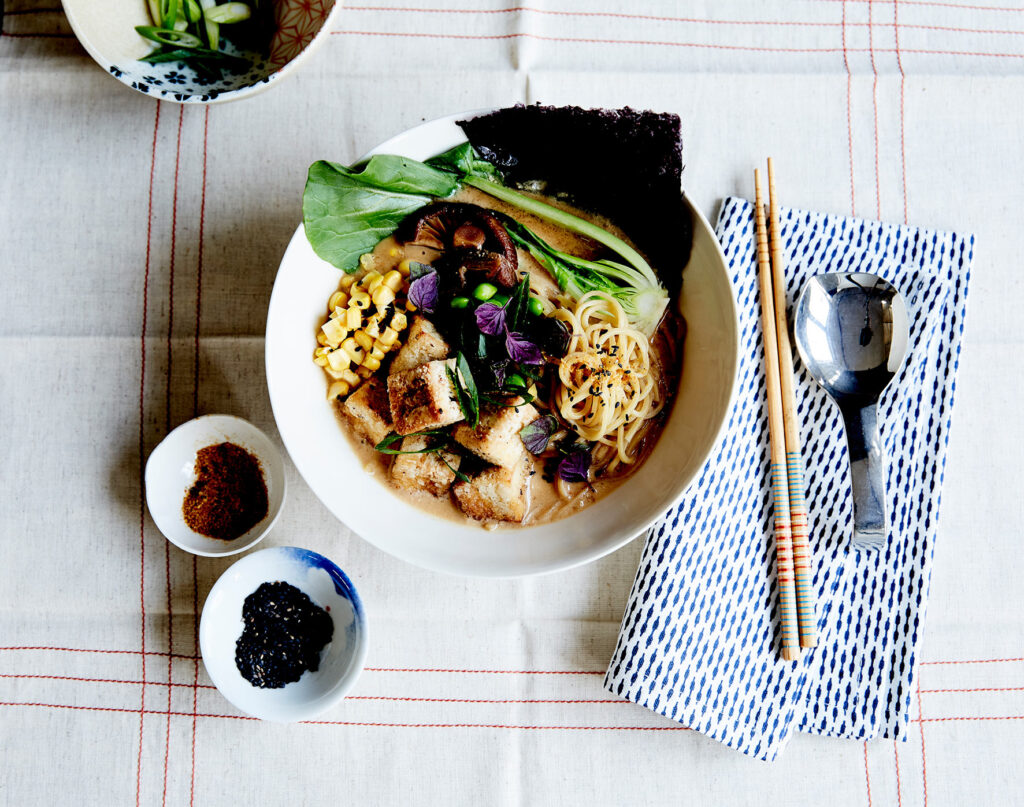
(229,496)
(283,636)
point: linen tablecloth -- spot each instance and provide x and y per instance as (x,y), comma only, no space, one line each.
(139,244)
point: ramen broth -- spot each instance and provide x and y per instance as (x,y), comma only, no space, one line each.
(545,503)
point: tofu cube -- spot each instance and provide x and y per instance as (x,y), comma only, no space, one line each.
(423,343)
(369,410)
(424,471)
(495,494)
(496,437)
(423,398)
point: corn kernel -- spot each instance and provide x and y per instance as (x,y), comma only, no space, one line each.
(337,300)
(335,375)
(359,299)
(405,267)
(399,321)
(378,351)
(367,261)
(372,328)
(371,364)
(347,281)
(334,331)
(394,252)
(364,372)
(390,336)
(321,359)
(350,377)
(338,360)
(351,347)
(382,296)
(410,307)
(364,340)
(353,319)
(321,338)
(339,389)
(372,282)
(393,280)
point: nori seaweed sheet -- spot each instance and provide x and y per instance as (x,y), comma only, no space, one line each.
(625,164)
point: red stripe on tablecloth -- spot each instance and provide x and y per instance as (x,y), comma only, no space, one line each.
(974,689)
(428,669)
(973,661)
(899,790)
(527,727)
(874,106)
(920,726)
(142,453)
(483,672)
(849,114)
(100,680)
(903,83)
(167,428)
(195,413)
(938,4)
(867,773)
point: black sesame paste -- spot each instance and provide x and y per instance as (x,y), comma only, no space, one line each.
(283,636)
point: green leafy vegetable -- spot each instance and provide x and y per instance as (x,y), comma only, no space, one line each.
(465,388)
(643,301)
(384,446)
(347,212)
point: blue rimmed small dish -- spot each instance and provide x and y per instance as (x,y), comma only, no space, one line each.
(341,660)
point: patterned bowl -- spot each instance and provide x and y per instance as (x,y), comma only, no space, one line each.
(106,29)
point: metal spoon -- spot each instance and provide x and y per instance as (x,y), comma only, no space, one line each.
(851,331)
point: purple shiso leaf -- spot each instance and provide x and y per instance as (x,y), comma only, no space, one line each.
(490,318)
(522,349)
(574,467)
(423,292)
(500,369)
(535,435)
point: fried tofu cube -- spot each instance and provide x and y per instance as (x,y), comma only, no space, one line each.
(423,343)
(423,398)
(496,437)
(495,494)
(369,410)
(424,471)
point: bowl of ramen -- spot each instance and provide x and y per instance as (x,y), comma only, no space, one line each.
(503,343)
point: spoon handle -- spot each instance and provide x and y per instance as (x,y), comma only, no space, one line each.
(867,468)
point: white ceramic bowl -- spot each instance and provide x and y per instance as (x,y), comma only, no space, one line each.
(341,660)
(321,452)
(106,29)
(170,471)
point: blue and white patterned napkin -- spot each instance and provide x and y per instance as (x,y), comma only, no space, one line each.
(699,641)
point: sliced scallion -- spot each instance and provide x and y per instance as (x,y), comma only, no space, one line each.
(227,13)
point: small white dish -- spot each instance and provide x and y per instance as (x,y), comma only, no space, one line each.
(321,450)
(106,29)
(341,660)
(170,471)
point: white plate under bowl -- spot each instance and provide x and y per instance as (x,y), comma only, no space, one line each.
(170,472)
(341,660)
(321,452)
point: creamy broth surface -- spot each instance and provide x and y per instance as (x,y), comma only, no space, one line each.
(545,503)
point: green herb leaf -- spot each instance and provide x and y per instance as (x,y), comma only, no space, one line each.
(518,305)
(465,388)
(458,474)
(384,446)
(346,212)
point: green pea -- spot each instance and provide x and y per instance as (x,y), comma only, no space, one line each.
(536,306)
(515,381)
(460,302)
(485,291)
(499,299)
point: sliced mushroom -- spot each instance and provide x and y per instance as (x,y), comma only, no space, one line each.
(472,230)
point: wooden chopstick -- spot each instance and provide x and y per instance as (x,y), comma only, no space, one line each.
(794,459)
(777,440)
